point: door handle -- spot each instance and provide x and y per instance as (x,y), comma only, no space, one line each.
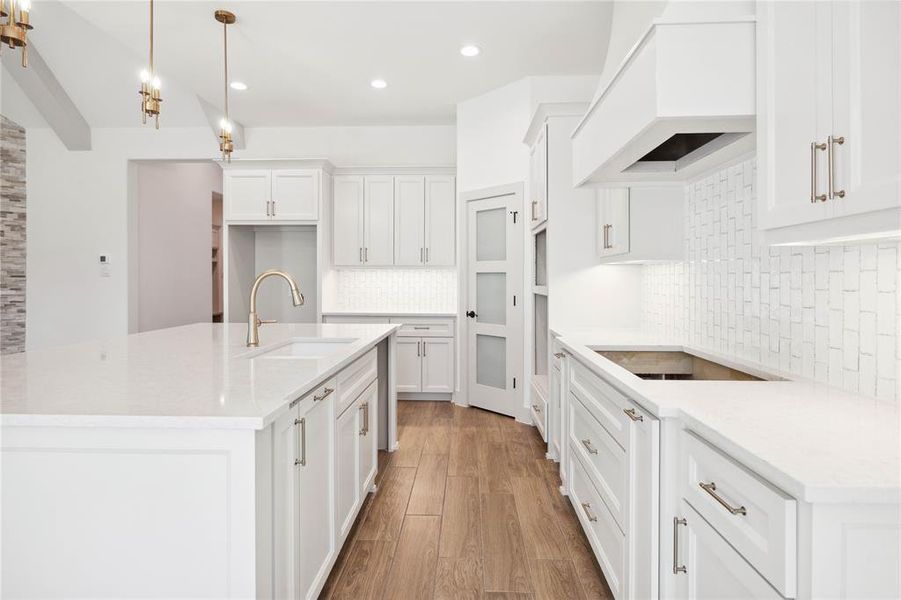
(677,568)
(366,254)
(363,410)
(302,461)
(417,349)
(471,314)
(630,412)
(830,150)
(421,255)
(423,348)
(586,508)
(273,208)
(814,197)
(710,488)
(588,446)
(427,254)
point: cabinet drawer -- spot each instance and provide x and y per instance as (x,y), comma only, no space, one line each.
(424,327)
(605,460)
(607,541)
(353,380)
(758,520)
(539,410)
(600,398)
(320,393)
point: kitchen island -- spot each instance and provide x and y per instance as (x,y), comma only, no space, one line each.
(180,463)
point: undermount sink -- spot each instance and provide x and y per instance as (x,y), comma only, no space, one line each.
(678,366)
(304,348)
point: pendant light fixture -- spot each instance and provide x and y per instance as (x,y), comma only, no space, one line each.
(150,85)
(14,32)
(225,126)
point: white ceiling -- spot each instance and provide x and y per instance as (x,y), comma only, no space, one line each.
(310,63)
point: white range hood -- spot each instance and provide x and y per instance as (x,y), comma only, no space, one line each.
(681,103)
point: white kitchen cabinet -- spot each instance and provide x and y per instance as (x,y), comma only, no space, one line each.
(304,541)
(272,194)
(613,466)
(347,482)
(248,195)
(295,195)
(348,220)
(538,154)
(437,365)
(378,220)
(639,224)
(424,209)
(711,568)
(829,127)
(440,217)
(409,364)
(367,412)
(613,222)
(409,221)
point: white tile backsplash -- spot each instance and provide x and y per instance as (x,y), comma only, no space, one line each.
(828,313)
(400,290)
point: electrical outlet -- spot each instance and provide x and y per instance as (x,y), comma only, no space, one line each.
(105,269)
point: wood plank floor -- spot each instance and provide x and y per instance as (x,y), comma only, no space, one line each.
(468,507)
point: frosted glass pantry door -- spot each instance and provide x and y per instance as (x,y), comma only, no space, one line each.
(494,309)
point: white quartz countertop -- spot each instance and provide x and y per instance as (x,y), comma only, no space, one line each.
(191,376)
(817,443)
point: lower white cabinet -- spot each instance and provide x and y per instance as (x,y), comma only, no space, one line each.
(712,568)
(367,452)
(425,365)
(356,456)
(304,538)
(409,364)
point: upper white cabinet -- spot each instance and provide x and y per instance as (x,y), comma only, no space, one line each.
(272,194)
(538,178)
(440,217)
(378,220)
(613,222)
(247,195)
(404,220)
(829,122)
(295,195)
(641,224)
(409,221)
(348,225)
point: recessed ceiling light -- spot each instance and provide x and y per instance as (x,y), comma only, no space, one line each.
(379,84)
(238,85)
(470,50)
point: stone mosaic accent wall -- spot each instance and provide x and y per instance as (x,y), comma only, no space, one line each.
(12,237)
(829,313)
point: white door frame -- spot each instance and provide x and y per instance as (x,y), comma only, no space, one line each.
(516,190)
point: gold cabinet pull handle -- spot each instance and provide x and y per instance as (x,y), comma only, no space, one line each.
(588,446)
(302,461)
(630,412)
(586,507)
(831,143)
(710,488)
(677,568)
(814,197)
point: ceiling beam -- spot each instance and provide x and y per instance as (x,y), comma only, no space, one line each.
(49,97)
(214,115)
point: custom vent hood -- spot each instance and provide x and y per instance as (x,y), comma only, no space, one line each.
(681,103)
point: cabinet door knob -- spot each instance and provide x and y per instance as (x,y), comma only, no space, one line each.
(471,314)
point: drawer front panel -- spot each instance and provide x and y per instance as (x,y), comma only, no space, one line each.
(424,327)
(605,461)
(607,541)
(353,380)
(757,519)
(313,398)
(602,400)
(539,413)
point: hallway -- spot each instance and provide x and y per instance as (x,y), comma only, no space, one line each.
(468,507)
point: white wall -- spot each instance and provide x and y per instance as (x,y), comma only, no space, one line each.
(83,204)
(174,223)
